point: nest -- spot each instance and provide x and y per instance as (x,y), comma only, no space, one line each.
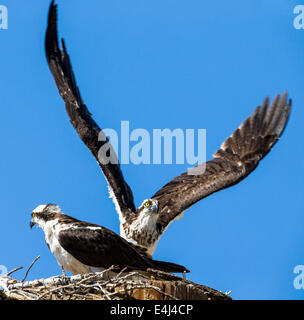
(106,285)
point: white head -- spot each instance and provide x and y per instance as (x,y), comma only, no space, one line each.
(43,213)
(149,206)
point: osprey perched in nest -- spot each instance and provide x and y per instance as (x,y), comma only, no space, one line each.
(237,157)
(82,247)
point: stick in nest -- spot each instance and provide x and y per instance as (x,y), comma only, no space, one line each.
(29,268)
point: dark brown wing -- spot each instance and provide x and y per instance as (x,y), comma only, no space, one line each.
(100,248)
(238,156)
(97,246)
(81,119)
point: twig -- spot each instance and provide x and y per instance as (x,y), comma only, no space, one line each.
(104,291)
(29,268)
(14,270)
(120,273)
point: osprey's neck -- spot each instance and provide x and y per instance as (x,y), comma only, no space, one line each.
(145,221)
(46,225)
(142,231)
(49,228)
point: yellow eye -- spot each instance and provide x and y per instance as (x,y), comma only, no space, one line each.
(33,214)
(147,204)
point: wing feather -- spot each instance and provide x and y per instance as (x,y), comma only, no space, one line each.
(237,157)
(96,246)
(100,248)
(81,119)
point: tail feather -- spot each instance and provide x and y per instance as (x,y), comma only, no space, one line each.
(169,266)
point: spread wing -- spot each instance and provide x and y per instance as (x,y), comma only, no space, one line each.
(238,156)
(81,119)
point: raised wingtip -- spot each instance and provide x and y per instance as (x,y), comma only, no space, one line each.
(52,4)
(51,38)
(259,132)
(52,9)
(281,116)
(52,15)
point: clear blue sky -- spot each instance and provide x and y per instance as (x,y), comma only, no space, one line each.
(159,64)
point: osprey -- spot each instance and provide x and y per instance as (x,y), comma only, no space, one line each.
(82,247)
(237,157)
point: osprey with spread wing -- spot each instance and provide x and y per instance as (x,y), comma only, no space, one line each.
(238,156)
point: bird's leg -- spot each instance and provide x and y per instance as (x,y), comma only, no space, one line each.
(64,276)
(63,271)
(184,275)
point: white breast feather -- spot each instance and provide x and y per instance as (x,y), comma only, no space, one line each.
(64,259)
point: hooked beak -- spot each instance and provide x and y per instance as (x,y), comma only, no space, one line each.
(32,224)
